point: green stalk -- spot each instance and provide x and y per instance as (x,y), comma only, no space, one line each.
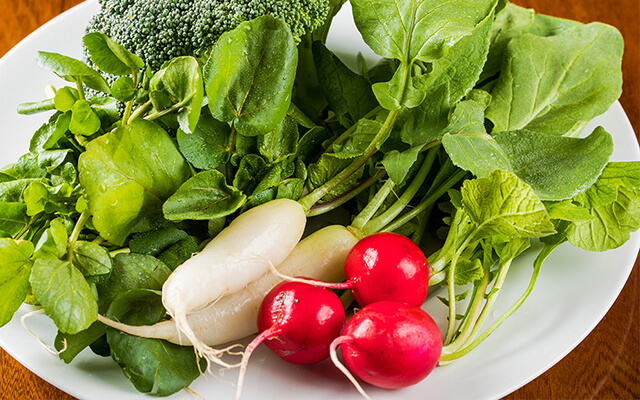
(129,106)
(451,327)
(392,212)
(140,110)
(80,90)
(346,134)
(446,358)
(73,238)
(373,205)
(312,198)
(429,199)
(335,203)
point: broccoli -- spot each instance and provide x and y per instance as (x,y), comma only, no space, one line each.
(159,30)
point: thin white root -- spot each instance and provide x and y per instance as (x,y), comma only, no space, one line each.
(43,344)
(308,281)
(342,367)
(193,393)
(203,350)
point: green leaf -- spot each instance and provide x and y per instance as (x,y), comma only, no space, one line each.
(178,253)
(566,210)
(53,242)
(83,120)
(181,80)
(280,143)
(501,204)
(65,295)
(127,175)
(208,146)
(204,196)
(65,98)
(15,269)
(556,167)
(75,343)
(152,365)
(123,89)
(13,217)
(250,73)
(612,223)
(605,189)
(414,32)
(154,242)
(50,133)
(109,56)
(555,84)
(73,70)
(132,271)
(92,260)
(349,94)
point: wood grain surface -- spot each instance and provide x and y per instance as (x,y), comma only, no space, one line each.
(605,366)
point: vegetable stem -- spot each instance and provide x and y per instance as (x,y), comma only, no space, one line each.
(73,238)
(129,106)
(403,201)
(312,198)
(337,202)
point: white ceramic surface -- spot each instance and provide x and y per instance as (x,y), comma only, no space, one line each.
(574,290)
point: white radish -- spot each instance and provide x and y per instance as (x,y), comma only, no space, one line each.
(239,254)
(319,256)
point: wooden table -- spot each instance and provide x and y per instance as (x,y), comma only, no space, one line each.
(606,365)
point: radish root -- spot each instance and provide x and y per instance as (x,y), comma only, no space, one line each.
(43,344)
(334,357)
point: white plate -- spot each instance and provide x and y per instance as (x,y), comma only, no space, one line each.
(574,291)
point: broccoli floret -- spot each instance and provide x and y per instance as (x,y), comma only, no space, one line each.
(158,30)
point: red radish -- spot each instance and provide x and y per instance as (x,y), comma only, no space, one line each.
(387,266)
(383,266)
(389,344)
(298,322)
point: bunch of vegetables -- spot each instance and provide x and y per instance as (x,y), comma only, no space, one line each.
(463,137)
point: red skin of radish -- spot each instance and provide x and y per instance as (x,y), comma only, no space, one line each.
(391,345)
(299,321)
(387,266)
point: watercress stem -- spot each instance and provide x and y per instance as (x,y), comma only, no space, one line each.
(80,90)
(140,110)
(312,198)
(129,106)
(73,238)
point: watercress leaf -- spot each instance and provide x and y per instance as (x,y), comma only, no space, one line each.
(53,242)
(92,260)
(75,343)
(84,121)
(127,175)
(13,190)
(501,204)
(250,73)
(14,275)
(310,144)
(250,172)
(13,217)
(412,31)
(65,98)
(50,133)
(132,271)
(64,293)
(280,143)
(208,146)
(155,242)
(152,365)
(181,78)
(35,107)
(202,197)
(612,223)
(123,89)
(349,94)
(555,84)
(72,70)
(178,253)
(110,56)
